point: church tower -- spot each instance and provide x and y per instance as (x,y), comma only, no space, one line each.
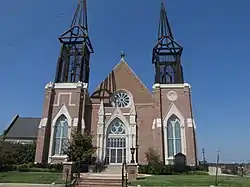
(64,104)
(174,124)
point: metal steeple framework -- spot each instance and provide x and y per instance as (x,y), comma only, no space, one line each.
(74,59)
(166,54)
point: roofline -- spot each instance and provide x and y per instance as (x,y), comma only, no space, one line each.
(122,60)
(10,126)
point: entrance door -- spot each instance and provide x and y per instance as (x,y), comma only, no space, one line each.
(116,150)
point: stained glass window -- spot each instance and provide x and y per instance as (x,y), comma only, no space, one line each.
(60,136)
(174,136)
(121,99)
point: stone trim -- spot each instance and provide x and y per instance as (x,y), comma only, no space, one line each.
(102,128)
(43,123)
(157,85)
(62,111)
(191,123)
(59,96)
(67,85)
(174,111)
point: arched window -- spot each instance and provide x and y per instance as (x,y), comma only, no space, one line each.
(60,136)
(116,142)
(174,136)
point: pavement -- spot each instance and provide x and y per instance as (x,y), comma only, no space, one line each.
(30,185)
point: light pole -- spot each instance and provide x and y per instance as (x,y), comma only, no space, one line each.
(132,149)
(217,167)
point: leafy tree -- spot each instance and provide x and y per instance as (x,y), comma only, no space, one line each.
(80,147)
(16,153)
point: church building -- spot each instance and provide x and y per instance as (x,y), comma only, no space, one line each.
(122,113)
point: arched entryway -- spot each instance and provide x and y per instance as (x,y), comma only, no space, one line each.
(116,142)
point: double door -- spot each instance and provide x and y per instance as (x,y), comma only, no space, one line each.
(116,150)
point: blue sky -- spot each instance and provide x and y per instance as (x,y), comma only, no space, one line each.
(216,63)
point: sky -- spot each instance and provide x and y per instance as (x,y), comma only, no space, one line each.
(214,34)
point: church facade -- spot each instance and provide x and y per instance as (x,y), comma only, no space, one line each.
(122,113)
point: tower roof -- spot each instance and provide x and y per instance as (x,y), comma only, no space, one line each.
(74,60)
(78,30)
(166,53)
(166,44)
(164,28)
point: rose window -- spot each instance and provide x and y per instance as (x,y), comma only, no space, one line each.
(121,99)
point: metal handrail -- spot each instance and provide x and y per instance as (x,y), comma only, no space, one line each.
(124,174)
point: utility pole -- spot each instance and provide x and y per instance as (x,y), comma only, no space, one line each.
(217,167)
(203,155)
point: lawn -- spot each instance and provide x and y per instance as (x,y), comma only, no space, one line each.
(31,177)
(192,180)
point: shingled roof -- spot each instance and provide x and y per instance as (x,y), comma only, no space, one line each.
(22,128)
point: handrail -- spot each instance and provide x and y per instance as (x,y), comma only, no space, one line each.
(124,174)
(77,174)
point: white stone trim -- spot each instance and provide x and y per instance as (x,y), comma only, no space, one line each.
(156,123)
(158,85)
(59,157)
(136,104)
(100,125)
(62,111)
(191,123)
(174,111)
(194,124)
(67,85)
(110,114)
(64,93)
(43,123)
(75,123)
(102,128)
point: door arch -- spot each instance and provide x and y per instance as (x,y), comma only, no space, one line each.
(116,142)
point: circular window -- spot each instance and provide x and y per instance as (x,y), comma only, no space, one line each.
(117,128)
(121,99)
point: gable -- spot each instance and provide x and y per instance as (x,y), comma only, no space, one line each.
(122,77)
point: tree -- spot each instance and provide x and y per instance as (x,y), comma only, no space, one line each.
(80,147)
(152,156)
(16,153)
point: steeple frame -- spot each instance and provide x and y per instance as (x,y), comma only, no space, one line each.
(166,54)
(74,60)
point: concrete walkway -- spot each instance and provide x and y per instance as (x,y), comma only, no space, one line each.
(30,185)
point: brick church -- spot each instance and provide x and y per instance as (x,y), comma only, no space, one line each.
(122,113)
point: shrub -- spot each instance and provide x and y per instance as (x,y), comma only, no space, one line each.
(156,169)
(31,167)
(16,153)
(152,157)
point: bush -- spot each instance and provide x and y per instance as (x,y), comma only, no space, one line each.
(12,153)
(156,167)
(152,157)
(31,167)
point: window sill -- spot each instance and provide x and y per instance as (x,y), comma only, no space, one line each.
(59,156)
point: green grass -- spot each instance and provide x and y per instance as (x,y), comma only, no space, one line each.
(31,177)
(192,180)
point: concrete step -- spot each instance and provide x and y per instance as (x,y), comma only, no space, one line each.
(99,182)
(113,170)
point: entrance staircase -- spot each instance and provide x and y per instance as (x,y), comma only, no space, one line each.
(112,177)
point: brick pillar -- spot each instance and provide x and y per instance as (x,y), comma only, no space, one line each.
(44,128)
